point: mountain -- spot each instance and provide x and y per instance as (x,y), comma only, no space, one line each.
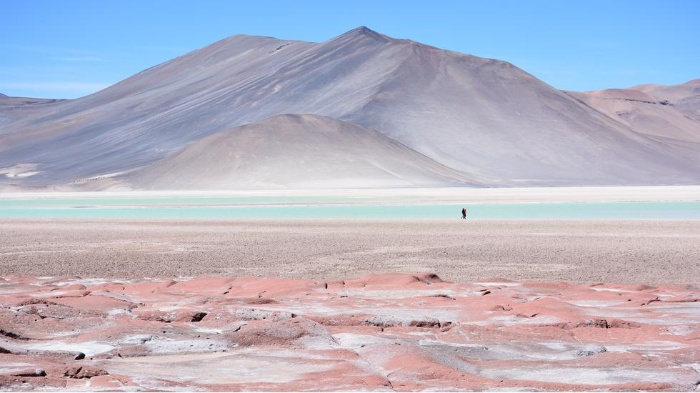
(685,98)
(668,114)
(437,118)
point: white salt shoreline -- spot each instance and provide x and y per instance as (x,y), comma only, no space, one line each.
(417,195)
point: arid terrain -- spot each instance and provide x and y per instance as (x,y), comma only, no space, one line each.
(379,332)
(349,305)
(641,252)
(138,302)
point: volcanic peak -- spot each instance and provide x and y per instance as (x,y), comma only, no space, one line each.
(419,115)
(365,32)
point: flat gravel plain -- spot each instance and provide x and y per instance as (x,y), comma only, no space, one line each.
(641,252)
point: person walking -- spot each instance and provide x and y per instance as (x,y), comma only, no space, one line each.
(464,213)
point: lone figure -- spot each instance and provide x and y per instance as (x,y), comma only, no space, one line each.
(464,213)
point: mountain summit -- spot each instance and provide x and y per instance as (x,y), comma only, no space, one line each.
(363,31)
(411,114)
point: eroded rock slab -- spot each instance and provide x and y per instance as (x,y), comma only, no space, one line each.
(379,333)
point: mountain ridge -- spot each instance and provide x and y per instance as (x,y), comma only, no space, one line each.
(482,117)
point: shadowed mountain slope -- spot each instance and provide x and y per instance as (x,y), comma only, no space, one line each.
(481,117)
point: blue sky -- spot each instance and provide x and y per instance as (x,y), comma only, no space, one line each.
(71,48)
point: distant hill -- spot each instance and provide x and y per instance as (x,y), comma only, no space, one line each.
(668,114)
(362,110)
(297,151)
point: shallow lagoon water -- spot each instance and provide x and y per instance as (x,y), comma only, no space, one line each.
(328,207)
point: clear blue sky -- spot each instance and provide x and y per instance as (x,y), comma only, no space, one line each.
(70,48)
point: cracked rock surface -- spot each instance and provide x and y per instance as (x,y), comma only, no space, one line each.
(378,332)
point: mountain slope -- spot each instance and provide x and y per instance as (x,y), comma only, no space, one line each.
(489,117)
(478,116)
(662,111)
(668,114)
(296,151)
(685,97)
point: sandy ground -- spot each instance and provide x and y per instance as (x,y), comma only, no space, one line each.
(641,252)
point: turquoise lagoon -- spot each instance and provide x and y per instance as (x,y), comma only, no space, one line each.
(326,207)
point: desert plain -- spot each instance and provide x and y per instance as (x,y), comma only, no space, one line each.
(355,304)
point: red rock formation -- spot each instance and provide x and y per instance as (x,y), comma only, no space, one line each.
(379,332)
